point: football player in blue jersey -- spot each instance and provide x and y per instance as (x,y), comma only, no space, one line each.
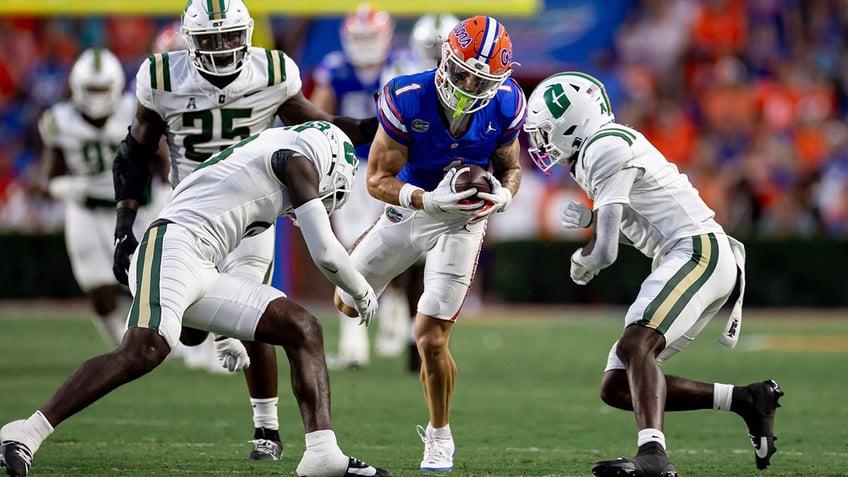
(466,111)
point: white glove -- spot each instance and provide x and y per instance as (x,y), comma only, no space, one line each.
(231,354)
(366,306)
(500,196)
(580,274)
(443,201)
(575,215)
(69,188)
(496,201)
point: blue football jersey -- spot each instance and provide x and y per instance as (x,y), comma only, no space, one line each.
(408,111)
(354,97)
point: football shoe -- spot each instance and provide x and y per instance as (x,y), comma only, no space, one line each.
(650,461)
(757,403)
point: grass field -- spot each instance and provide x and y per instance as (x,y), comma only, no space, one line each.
(526,401)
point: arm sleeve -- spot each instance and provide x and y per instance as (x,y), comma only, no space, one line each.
(328,254)
(605,251)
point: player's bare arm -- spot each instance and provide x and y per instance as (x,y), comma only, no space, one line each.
(506,166)
(386,158)
(51,164)
(298,109)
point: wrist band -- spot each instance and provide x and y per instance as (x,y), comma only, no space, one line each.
(405,195)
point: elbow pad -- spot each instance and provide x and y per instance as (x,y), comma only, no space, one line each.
(131,170)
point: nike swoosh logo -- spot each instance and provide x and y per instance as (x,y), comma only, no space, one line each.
(247,95)
(760,449)
(331,270)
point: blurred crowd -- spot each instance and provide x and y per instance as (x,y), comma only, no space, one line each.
(748,97)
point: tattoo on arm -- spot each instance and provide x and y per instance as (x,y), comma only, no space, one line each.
(507,166)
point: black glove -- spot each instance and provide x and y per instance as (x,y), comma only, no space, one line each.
(125,244)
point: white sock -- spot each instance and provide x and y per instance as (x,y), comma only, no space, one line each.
(650,435)
(265,413)
(30,432)
(722,396)
(353,340)
(440,432)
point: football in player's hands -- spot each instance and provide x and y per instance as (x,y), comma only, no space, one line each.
(470,176)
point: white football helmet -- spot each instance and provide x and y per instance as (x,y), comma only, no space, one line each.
(335,158)
(218,33)
(476,60)
(428,34)
(97,83)
(562,111)
(366,36)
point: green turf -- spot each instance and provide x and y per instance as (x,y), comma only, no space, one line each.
(526,402)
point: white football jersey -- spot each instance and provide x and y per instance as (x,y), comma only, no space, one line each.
(237,195)
(203,119)
(88,150)
(662,206)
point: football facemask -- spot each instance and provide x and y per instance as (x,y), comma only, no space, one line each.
(218,34)
(562,112)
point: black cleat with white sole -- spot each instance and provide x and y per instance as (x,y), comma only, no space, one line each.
(757,403)
(650,461)
(16,458)
(357,468)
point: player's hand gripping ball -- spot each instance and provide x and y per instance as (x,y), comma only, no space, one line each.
(471,176)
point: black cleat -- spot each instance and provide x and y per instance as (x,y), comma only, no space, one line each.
(16,458)
(650,461)
(357,468)
(266,445)
(757,403)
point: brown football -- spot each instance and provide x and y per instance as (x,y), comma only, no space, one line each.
(471,176)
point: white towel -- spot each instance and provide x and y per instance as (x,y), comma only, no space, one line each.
(730,336)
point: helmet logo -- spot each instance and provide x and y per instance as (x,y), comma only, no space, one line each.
(506,56)
(350,153)
(462,35)
(556,100)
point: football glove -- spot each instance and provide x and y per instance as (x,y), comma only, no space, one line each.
(231,354)
(496,201)
(444,201)
(581,274)
(366,306)
(575,215)
(125,245)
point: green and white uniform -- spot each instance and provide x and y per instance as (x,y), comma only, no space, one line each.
(88,152)
(175,275)
(695,263)
(203,119)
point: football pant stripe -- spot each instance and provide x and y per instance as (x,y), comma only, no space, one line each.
(146,311)
(678,292)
